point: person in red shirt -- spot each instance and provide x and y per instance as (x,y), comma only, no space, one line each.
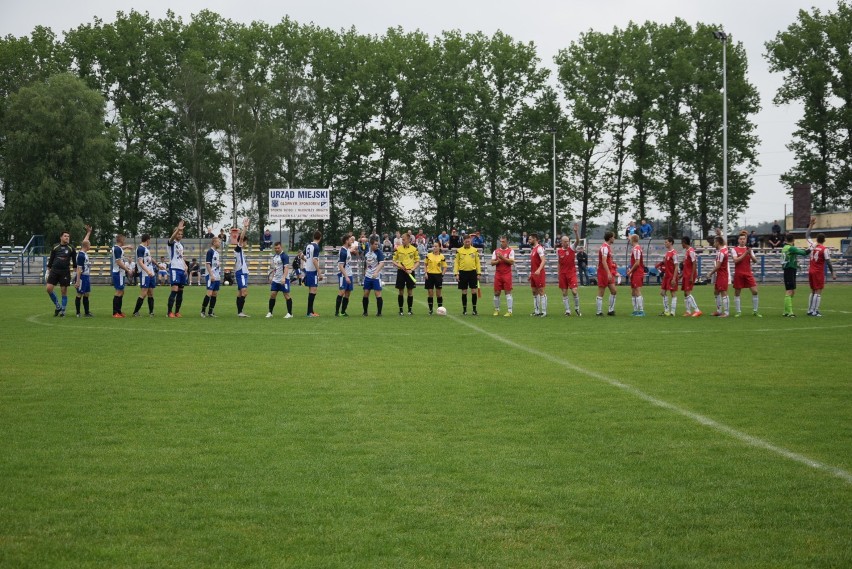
(502,259)
(816,270)
(668,287)
(722,278)
(636,274)
(537,276)
(688,275)
(743,275)
(567,255)
(606,275)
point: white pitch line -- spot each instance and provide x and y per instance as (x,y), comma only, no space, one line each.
(696,417)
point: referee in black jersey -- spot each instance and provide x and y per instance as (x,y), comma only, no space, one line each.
(62,260)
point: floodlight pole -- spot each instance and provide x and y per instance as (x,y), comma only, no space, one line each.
(553,233)
(723,37)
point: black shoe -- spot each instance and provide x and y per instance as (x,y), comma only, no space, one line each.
(598,313)
(379,315)
(88,315)
(430,313)
(400,313)
(611,313)
(56,312)
(410,313)
(62,314)
(474,312)
(136,315)
(365,314)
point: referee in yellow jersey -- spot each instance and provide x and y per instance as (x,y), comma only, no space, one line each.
(467,269)
(436,266)
(406,259)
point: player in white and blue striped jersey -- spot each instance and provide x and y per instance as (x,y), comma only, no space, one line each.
(120,270)
(177,271)
(214,279)
(279,266)
(344,275)
(241,272)
(374,263)
(147,275)
(83,283)
(312,271)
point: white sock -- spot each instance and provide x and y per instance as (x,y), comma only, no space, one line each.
(738,304)
(690,301)
(811,303)
(535,304)
(719,303)
(577,301)
(544,304)
(567,303)
(599,303)
(754,303)
(666,303)
(497,302)
(674,304)
(509,302)
(640,301)
(817,302)
(611,302)
(726,304)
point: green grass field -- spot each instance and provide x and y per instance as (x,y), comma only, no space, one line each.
(425,442)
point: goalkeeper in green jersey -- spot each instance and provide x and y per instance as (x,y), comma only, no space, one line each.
(790,264)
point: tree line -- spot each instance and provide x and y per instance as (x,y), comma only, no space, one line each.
(134,124)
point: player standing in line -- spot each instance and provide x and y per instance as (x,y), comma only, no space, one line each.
(744,276)
(177,271)
(147,276)
(688,281)
(503,258)
(313,275)
(213,279)
(436,266)
(567,256)
(606,275)
(406,259)
(668,288)
(538,278)
(467,269)
(120,269)
(722,278)
(83,283)
(636,274)
(374,262)
(241,272)
(790,264)
(62,259)
(345,282)
(279,266)
(816,270)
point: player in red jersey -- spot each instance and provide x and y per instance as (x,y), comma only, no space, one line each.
(816,270)
(567,255)
(537,276)
(668,287)
(722,278)
(636,274)
(606,275)
(743,275)
(502,259)
(688,274)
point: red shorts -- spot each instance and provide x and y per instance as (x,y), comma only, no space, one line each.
(602,280)
(502,282)
(817,280)
(637,278)
(537,281)
(568,280)
(669,285)
(721,283)
(686,285)
(744,281)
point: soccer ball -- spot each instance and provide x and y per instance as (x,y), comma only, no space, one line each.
(441,311)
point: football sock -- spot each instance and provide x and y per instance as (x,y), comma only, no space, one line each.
(289,302)
(204,303)
(635,301)
(64,301)
(788,304)
(544,304)
(566,303)
(86,304)
(337,302)
(440,301)
(464,301)
(365,303)
(473,299)
(139,302)
(171,301)
(77,304)
(311,297)
(611,302)
(496,303)
(666,303)
(213,300)
(737,304)
(811,302)
(535,304)
(53,298)
(577,301)
(344,305)
(379,302)
(400,301)
(718,303)
(150,304)
(271,305)
(410,303)
(755,303)
(114,305)
(431,302)
(817,301)
(726,304)
(674,304)
(599,303)
(641,303)
(178,299)
(509,302)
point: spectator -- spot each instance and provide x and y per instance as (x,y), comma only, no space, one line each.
(223,238)
(776,228)
(209,234)
(444,239)
(297,268)
(477,241)
(631,229)
(775,241)
(162,272)
(194,270)
(420,237)
(397,240)
(387,245)
(266,240)
(547,243)
(753,240)
(646,229)
(583,265)
(524,244)
(455,240)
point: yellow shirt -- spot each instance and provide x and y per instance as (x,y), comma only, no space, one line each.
(436,264)
(406,256)
(467,259)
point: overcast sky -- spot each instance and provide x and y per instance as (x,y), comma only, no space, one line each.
(550,24)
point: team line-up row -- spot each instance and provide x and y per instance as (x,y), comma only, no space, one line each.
(678,270)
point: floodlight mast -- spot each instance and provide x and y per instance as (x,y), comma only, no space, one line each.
(723,37)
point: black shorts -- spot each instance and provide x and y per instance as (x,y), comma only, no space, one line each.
(789,279)
(403,280)
(59,279)
(468,279)
(434,280)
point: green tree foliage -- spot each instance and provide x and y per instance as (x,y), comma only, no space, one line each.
(57,152)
